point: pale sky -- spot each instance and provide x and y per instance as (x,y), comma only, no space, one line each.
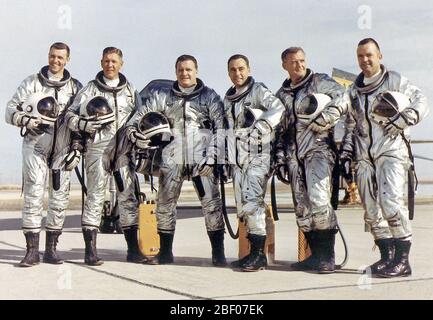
(152,34)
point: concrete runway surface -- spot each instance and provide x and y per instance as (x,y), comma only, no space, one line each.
(192,276)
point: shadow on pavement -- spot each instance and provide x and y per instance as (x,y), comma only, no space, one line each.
(71,221)
(74,221)
(12,257)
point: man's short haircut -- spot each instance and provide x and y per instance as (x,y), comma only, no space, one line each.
(369,40)
(109,50)
(291,50)
(238,56)
(186,57)
(61,46)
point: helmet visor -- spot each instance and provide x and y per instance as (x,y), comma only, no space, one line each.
(152,120)
(246,119)
(386,106)
(48,107)
(155,127)
(98,107)
(307,106)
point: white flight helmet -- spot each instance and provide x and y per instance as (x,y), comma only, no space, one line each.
(155,127)
(311,106)
(387,105)
(98,109)
(42,105)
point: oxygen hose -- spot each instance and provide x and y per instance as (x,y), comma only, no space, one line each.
(81,179)
(346,250)
(224,209)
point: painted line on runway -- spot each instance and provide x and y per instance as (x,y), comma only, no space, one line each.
(138,282)
(14,245)
(79,264)
(318,288)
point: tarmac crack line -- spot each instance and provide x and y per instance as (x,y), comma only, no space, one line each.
(318,288)
(117,276)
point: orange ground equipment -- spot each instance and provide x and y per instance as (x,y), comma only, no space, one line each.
(303,248)
(148,238)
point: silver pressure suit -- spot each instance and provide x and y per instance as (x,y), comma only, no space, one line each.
(124,100)
(310,155)
(196,120)
(43,151)
(382,160)
(250,165)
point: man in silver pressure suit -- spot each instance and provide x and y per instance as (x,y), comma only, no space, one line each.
(306,153)
(38,107)
(253,112)
(196,117)
(98,112)
(383,105)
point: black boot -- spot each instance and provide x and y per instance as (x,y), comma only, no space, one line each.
(386,248)
(326,253)
(217,243)
(312,262)
(165,255)
(50,254)
(134,254)
(241,262)
(32,254)
(400,266)
(257,260)
(90,255)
